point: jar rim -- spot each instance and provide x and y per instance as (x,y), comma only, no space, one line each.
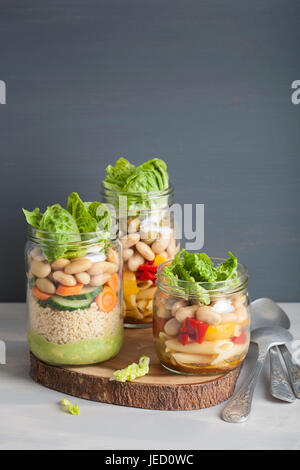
(222,287)
(33,234)
(149,195)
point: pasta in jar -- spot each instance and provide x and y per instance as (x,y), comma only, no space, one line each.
(201,328)
(146,230)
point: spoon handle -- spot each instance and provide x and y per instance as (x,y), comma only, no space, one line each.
(239,407)
(293,369)
(280,387)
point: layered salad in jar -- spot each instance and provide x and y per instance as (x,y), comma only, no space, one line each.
(74,288)
(142,197)
(201,314)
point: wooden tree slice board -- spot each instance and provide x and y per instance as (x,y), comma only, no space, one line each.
(159,390)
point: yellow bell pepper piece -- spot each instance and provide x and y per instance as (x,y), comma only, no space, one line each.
(159,260)
(215,332)
(130,286)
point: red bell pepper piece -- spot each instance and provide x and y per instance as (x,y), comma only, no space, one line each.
(184,338)
(242,339)
(192,331)
(147,267)
(146,276)
(147,272)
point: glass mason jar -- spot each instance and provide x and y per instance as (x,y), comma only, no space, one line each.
(74,295)
(147,233)
(205,332)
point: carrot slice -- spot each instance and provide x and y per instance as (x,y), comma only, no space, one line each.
(107,299)
(65,291)
(39,294)
(113,282)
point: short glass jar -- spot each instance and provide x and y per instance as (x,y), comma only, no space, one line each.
(147,233)
(74,295)
(204,332)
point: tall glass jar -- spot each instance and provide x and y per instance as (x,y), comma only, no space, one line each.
(205,332)
(74,295)
(147,233)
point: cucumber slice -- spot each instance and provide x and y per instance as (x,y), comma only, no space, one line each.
(86,293)
(63,303)
(43,303)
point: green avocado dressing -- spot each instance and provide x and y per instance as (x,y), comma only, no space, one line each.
(90,351)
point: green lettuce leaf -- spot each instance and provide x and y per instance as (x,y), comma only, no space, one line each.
(187,270)
(228,269)
(133,371)
(84,220)
(159,170)
(190,285)
(34,217)
(180,277)
(100,212)
(68,226)
(116,176)
(73,410)
(63,228)
(200,266)
(151,176)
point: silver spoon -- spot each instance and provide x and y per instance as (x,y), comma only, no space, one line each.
(266,312)
(239,407)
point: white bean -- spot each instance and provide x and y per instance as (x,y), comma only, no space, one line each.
(64,279)
(134,262)
(60,264)
(40,268)
(99,280)
(127,254)
(37,254)
(208,315)
(172,327)
(184,312)
(130,240)
(171,249)
(162,312)
(102,267)
(145,251)
(45,285)
(177,305)
(112,256)
(134,225)
(160,245)
(83,278)
(148,236)
(78,266)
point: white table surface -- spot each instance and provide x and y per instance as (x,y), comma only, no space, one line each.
(30,417)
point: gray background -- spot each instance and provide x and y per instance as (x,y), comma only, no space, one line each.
(203,84)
